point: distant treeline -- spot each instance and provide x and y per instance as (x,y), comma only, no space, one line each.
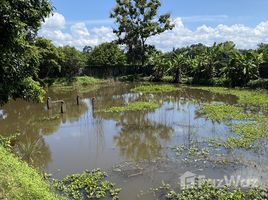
(25,59)
(220,64)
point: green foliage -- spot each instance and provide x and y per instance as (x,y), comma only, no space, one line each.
(220,64)
(137,21)
(80,83)
(49,58)
(259,83)
(18,57)
(31,90)
(73,60)
(161,65)
(133,106)
(106,54)
(180,63)
(207,191)
(19,181)
(243,67)
(88,185)
(155,88)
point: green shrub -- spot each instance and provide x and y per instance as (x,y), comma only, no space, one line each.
(259,83)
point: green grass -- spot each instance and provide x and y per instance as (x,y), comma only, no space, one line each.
(79,83)
(88,184)
(133,106)
(19,181)
(155,88)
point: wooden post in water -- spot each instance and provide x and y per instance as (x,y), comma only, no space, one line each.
(93,107)
(48,103)
(78,100)
(63,107)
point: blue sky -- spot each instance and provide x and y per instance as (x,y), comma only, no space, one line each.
(248,12)
(205,20)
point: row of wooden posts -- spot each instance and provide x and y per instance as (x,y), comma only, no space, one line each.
(62,103)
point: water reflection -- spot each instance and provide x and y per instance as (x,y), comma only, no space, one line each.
(140,138)
(83,138)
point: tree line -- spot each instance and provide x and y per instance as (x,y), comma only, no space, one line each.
(26,59)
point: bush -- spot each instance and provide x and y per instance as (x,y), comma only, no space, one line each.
(259,83)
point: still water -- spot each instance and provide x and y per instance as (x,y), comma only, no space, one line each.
(134,148)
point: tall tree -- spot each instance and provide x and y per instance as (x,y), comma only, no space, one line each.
(106,54)
(19,22)
(73,60)
(49,58)
(137,21)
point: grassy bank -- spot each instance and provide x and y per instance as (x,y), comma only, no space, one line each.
(79,83)
(19,181)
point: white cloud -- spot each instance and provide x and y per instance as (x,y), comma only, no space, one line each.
(243,36)
(205,18)
(55,21)
(78,35)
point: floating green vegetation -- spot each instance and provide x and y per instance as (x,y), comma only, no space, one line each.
(248,133)
(223,112)
(88,185)
(256,99)
(133,106)
(209,191)
(253,127)
(155,88)
(193,151)
(19,181)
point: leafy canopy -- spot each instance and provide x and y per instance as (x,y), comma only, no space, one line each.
(19,61)
(106,54)
(137,21)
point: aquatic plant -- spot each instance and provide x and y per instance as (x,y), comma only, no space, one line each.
(223,112)
(88,185)
(133,106)
(28,149)
(207,191)
(251,128)
(248,134)
(193,151)
(255,99)
(155,88)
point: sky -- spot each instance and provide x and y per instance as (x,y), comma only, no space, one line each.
(86,22)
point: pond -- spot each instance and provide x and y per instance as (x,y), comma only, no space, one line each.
(135,148)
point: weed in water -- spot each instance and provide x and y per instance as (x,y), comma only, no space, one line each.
(88,185)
